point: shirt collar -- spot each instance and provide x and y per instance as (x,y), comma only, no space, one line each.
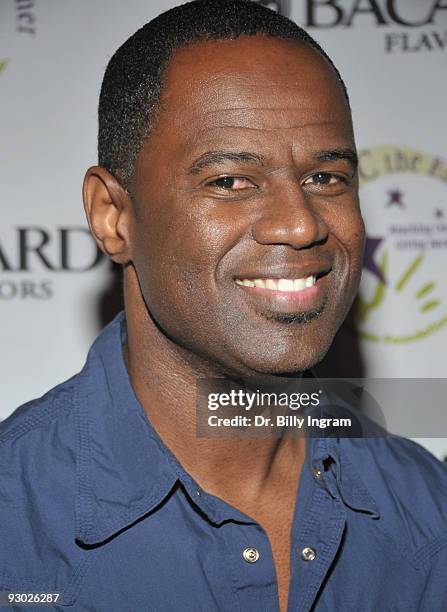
(124,470)
(331,457)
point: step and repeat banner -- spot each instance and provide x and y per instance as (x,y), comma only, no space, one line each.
(57,291)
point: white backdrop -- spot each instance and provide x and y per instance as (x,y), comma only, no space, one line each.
(53,286)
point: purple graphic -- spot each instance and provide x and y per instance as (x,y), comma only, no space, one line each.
(395,197)
(371,246)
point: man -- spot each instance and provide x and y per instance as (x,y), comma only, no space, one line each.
(227,189)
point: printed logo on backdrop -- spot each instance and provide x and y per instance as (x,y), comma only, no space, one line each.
(279,6)
(407,27)
(25,15)
(403,293)
(32,259)
(25,23)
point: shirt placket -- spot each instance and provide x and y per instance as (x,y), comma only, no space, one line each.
(252,567)
(248,555)
(316,537)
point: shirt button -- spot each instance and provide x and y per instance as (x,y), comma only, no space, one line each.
(308,553)
(317,473)
(251,555)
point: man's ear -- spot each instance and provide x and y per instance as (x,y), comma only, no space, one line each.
(109,213)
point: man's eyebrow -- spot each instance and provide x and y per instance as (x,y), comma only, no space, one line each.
(335,154)
(216,157)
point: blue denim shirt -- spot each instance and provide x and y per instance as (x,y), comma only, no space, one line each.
(94,506)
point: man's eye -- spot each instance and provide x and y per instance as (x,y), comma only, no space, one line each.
(232,183)
(324,178)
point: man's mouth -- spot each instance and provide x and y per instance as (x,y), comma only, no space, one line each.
(285,295)
(293,285)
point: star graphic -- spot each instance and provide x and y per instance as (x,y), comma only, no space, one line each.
(439,213)
(395,197)
(371,246)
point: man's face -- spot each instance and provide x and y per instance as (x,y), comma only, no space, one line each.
(245,192)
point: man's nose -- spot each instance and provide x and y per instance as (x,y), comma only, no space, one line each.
(289,217)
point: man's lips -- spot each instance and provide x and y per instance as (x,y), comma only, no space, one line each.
(289,294)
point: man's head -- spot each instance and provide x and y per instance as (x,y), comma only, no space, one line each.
(135,76)
(228,178)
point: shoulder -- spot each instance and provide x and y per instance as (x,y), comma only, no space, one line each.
(400,461)
(38,444)
(37,486)
(38,425)
(409,486)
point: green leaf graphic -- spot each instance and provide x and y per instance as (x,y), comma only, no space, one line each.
(3,64)
(364,307)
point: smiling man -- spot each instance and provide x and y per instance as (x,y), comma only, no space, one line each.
(227,189)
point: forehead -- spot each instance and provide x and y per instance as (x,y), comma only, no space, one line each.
(253,90)
(251,73)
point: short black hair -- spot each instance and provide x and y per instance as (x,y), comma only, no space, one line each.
(133,80)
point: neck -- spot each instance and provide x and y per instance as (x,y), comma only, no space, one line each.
(164,376)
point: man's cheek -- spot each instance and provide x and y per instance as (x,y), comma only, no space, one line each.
(352,234)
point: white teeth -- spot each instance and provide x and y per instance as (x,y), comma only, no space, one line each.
(299,284)
(285,284)
(280,284)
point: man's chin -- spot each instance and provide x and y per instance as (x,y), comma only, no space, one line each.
(290,370)
(297,317)
(289,363)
